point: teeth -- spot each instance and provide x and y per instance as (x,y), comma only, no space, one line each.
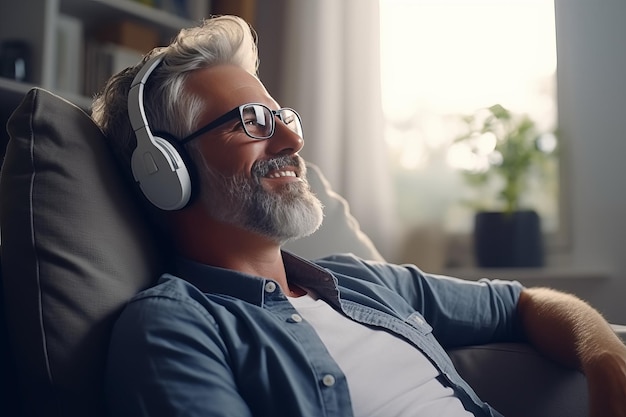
(279,174)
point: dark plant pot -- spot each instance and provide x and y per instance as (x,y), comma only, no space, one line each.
(504,240)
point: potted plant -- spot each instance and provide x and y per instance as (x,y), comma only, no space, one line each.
(512,148)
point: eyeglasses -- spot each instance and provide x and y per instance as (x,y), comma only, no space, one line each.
(257,120)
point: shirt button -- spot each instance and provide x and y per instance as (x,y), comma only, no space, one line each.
(270,287)
(296,318)
(328,380)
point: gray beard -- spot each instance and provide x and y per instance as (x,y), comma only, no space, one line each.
(283,215)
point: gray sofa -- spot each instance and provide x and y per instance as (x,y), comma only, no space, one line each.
(76,246)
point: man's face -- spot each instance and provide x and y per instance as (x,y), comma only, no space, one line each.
(258,185)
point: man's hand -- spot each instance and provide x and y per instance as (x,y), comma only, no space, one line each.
(571,332)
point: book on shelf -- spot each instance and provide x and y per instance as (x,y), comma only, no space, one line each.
(128,33)
(246,9)
(69,55)
(199,9)
(102,60)
(187,9)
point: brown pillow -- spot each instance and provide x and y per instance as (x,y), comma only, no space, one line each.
(75,248)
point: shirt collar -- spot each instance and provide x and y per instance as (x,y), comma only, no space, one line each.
(250,288)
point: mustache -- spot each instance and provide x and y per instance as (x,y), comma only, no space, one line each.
(261,168)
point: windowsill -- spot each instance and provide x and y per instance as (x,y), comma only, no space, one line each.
(545,273)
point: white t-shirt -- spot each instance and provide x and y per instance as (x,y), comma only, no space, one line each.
(387,376)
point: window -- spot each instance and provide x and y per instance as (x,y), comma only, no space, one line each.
(442,59)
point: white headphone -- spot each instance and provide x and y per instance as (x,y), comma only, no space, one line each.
(156,164)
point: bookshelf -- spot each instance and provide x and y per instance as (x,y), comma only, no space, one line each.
(58,32)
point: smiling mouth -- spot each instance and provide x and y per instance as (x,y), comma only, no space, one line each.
(282,168)
(282,173)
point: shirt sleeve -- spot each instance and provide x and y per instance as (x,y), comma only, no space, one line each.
(165,357)
(465,312)
(461,312)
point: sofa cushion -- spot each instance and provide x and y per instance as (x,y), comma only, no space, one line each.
(75,247)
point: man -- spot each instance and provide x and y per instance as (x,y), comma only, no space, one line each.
(241,328)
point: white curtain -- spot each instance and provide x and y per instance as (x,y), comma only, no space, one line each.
(332,76)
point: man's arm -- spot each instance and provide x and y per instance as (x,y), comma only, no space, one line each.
(571,332)
(166,359)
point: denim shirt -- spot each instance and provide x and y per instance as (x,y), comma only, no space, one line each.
(221,342)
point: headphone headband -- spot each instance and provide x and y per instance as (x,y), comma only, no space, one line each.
(135,95)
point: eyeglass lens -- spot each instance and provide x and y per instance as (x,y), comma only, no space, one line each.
(258,120)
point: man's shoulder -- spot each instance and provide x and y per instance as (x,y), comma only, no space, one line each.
(349,267)
(343,260)
(170,296)
(168,286)
(340,262)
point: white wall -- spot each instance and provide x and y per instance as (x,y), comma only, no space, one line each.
(591,48)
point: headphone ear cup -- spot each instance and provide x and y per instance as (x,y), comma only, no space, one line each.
(185,160)
(161,173)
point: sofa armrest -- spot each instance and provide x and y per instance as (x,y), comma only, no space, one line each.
(519,382)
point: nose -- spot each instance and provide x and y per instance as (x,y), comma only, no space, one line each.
(284,141)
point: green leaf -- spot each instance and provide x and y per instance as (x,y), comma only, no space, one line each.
(517,143)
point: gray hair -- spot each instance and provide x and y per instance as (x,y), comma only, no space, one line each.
(168,105)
